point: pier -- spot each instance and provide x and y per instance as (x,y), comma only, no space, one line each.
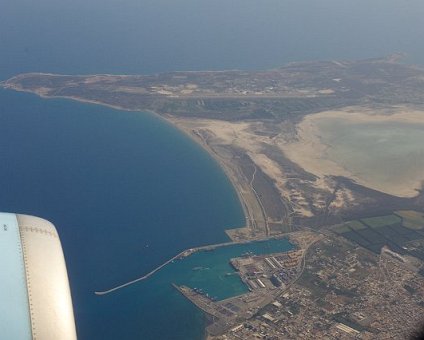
(180,255)
(183,254)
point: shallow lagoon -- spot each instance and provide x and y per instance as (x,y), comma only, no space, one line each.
(387,154)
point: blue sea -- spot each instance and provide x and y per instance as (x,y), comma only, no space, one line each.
(126,190)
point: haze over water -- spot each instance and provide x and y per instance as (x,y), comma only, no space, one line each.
(148,36)
(126,190)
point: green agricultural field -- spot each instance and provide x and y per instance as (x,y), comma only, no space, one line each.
(381,221)
(355,225)
(392,230)
(411,219)
(341,228)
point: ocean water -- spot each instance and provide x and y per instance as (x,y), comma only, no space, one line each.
(148,36)
(126,190)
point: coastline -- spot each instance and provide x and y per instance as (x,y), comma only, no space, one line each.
(224,167)
(278,164)
(77,99)
(256,226)
(279,167)
(176,123)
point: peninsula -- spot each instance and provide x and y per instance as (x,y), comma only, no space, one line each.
(306,144)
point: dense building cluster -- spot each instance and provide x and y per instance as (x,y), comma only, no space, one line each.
(345,292)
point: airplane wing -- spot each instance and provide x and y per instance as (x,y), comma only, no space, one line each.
(35,299)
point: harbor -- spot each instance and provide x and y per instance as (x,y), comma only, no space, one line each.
(187,253)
